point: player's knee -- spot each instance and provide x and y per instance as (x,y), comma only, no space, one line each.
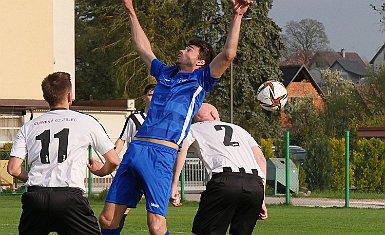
(157,228)
(156,224)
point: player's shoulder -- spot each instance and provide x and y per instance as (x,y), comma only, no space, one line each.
(84,117)
(137,113)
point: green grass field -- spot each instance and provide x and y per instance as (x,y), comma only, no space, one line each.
(282,219)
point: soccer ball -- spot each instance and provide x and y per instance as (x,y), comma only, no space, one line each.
(272,95)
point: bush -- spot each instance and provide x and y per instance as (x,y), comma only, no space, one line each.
(369,165)
(267,147)
(318,163)
(338,164)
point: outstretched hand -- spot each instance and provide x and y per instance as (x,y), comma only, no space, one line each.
(241,6)
(128,4)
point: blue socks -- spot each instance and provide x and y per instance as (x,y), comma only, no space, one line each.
(115,231)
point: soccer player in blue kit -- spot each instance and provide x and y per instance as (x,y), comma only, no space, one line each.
(147,166)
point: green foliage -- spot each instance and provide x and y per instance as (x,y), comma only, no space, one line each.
(7,146)
(266,145)
(318,163)
(338,164)
(373,91)
(107,65)
(369,165)
(344,108)
(301,176)
(99,197)
(305,121)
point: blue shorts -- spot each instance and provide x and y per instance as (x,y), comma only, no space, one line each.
(146,168)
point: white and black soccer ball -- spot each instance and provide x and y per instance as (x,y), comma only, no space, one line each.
(272,95)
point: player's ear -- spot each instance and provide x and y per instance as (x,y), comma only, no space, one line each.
(214,116)
(201,63)
(69,97)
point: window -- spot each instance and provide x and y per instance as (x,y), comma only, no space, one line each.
(9,126)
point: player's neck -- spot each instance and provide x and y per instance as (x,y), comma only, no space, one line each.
(59,106)
(187,69)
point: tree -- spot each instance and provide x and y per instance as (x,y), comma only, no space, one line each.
(344,107)
(380,9)
(107,65)
(305,37)
(94,72)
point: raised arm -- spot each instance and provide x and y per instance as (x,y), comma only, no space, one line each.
(222,61)
(141,43)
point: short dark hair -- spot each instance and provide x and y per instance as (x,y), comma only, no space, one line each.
(149,87)
(55,87)
(206,52)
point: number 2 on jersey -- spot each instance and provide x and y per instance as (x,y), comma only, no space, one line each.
(45,138)
(228,134)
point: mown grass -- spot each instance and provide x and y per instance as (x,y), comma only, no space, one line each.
(282,219)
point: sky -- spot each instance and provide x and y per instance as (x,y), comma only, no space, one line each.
(349,24)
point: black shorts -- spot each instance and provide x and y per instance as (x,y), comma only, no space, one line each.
(59,209)
(230,198)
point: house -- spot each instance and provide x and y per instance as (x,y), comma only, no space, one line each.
(350,64)
(350,70)
(378,60)
(300,84)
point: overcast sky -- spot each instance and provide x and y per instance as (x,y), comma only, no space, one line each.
(349,24)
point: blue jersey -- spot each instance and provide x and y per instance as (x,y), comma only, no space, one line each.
(176,99)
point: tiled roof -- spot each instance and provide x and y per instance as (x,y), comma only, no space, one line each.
(297,73)
(331,57)
(351,66)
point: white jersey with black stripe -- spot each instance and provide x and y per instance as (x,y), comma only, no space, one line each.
(223,144)
(132,124)
(56,144)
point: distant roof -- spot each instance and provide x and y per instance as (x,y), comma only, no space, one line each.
(297,73)
(330,57)
(378,52)
(351,66)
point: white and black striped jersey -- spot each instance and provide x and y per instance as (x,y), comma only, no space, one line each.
(223,144)
(56,144)
(132,124)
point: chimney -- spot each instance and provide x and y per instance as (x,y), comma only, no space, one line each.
(343,53)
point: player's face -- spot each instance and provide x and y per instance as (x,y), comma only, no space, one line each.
(189,56)
(148,97)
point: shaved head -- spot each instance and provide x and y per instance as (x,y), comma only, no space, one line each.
(207,112)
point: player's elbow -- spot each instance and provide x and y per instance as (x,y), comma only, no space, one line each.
(13,171)
(115,162)
(229,55)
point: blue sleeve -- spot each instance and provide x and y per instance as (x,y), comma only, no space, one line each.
(156,68)
(206,80)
